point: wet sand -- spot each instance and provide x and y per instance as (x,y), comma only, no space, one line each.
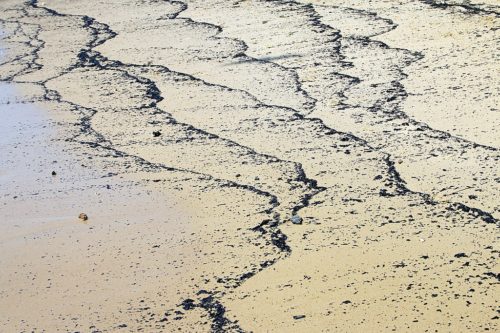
(249,166)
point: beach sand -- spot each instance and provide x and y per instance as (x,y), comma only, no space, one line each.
(249,166)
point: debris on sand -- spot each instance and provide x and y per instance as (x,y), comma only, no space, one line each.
(83,217)
(296,219)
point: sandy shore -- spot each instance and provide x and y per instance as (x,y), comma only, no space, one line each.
(249,166)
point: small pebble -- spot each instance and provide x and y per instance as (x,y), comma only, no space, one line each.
(296,219)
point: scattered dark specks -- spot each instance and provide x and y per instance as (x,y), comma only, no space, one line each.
(156,134)
(297,317)
(400,265)
(122,325)
(472,197)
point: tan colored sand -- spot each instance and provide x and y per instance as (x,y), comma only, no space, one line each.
(375,122)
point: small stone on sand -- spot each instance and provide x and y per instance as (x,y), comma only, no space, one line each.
(296,219)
